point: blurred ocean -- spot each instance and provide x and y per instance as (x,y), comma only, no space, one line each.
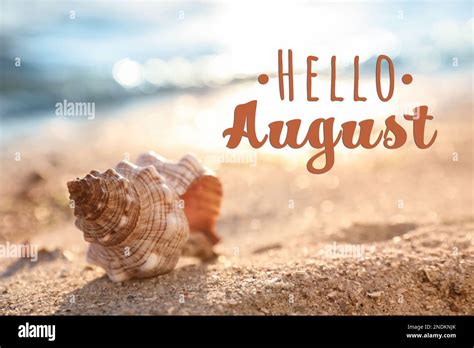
(111,52)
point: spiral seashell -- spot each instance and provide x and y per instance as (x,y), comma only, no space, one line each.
(198,187)
(133,216)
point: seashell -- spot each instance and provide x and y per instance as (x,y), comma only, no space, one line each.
(137,218)
(197,186)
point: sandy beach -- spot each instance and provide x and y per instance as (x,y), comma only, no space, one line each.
(382,233)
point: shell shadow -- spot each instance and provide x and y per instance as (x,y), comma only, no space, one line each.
(27,263)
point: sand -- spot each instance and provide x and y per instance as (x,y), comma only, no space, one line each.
(384,232)
(415,274)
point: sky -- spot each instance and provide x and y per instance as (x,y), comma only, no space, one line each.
(162,44)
